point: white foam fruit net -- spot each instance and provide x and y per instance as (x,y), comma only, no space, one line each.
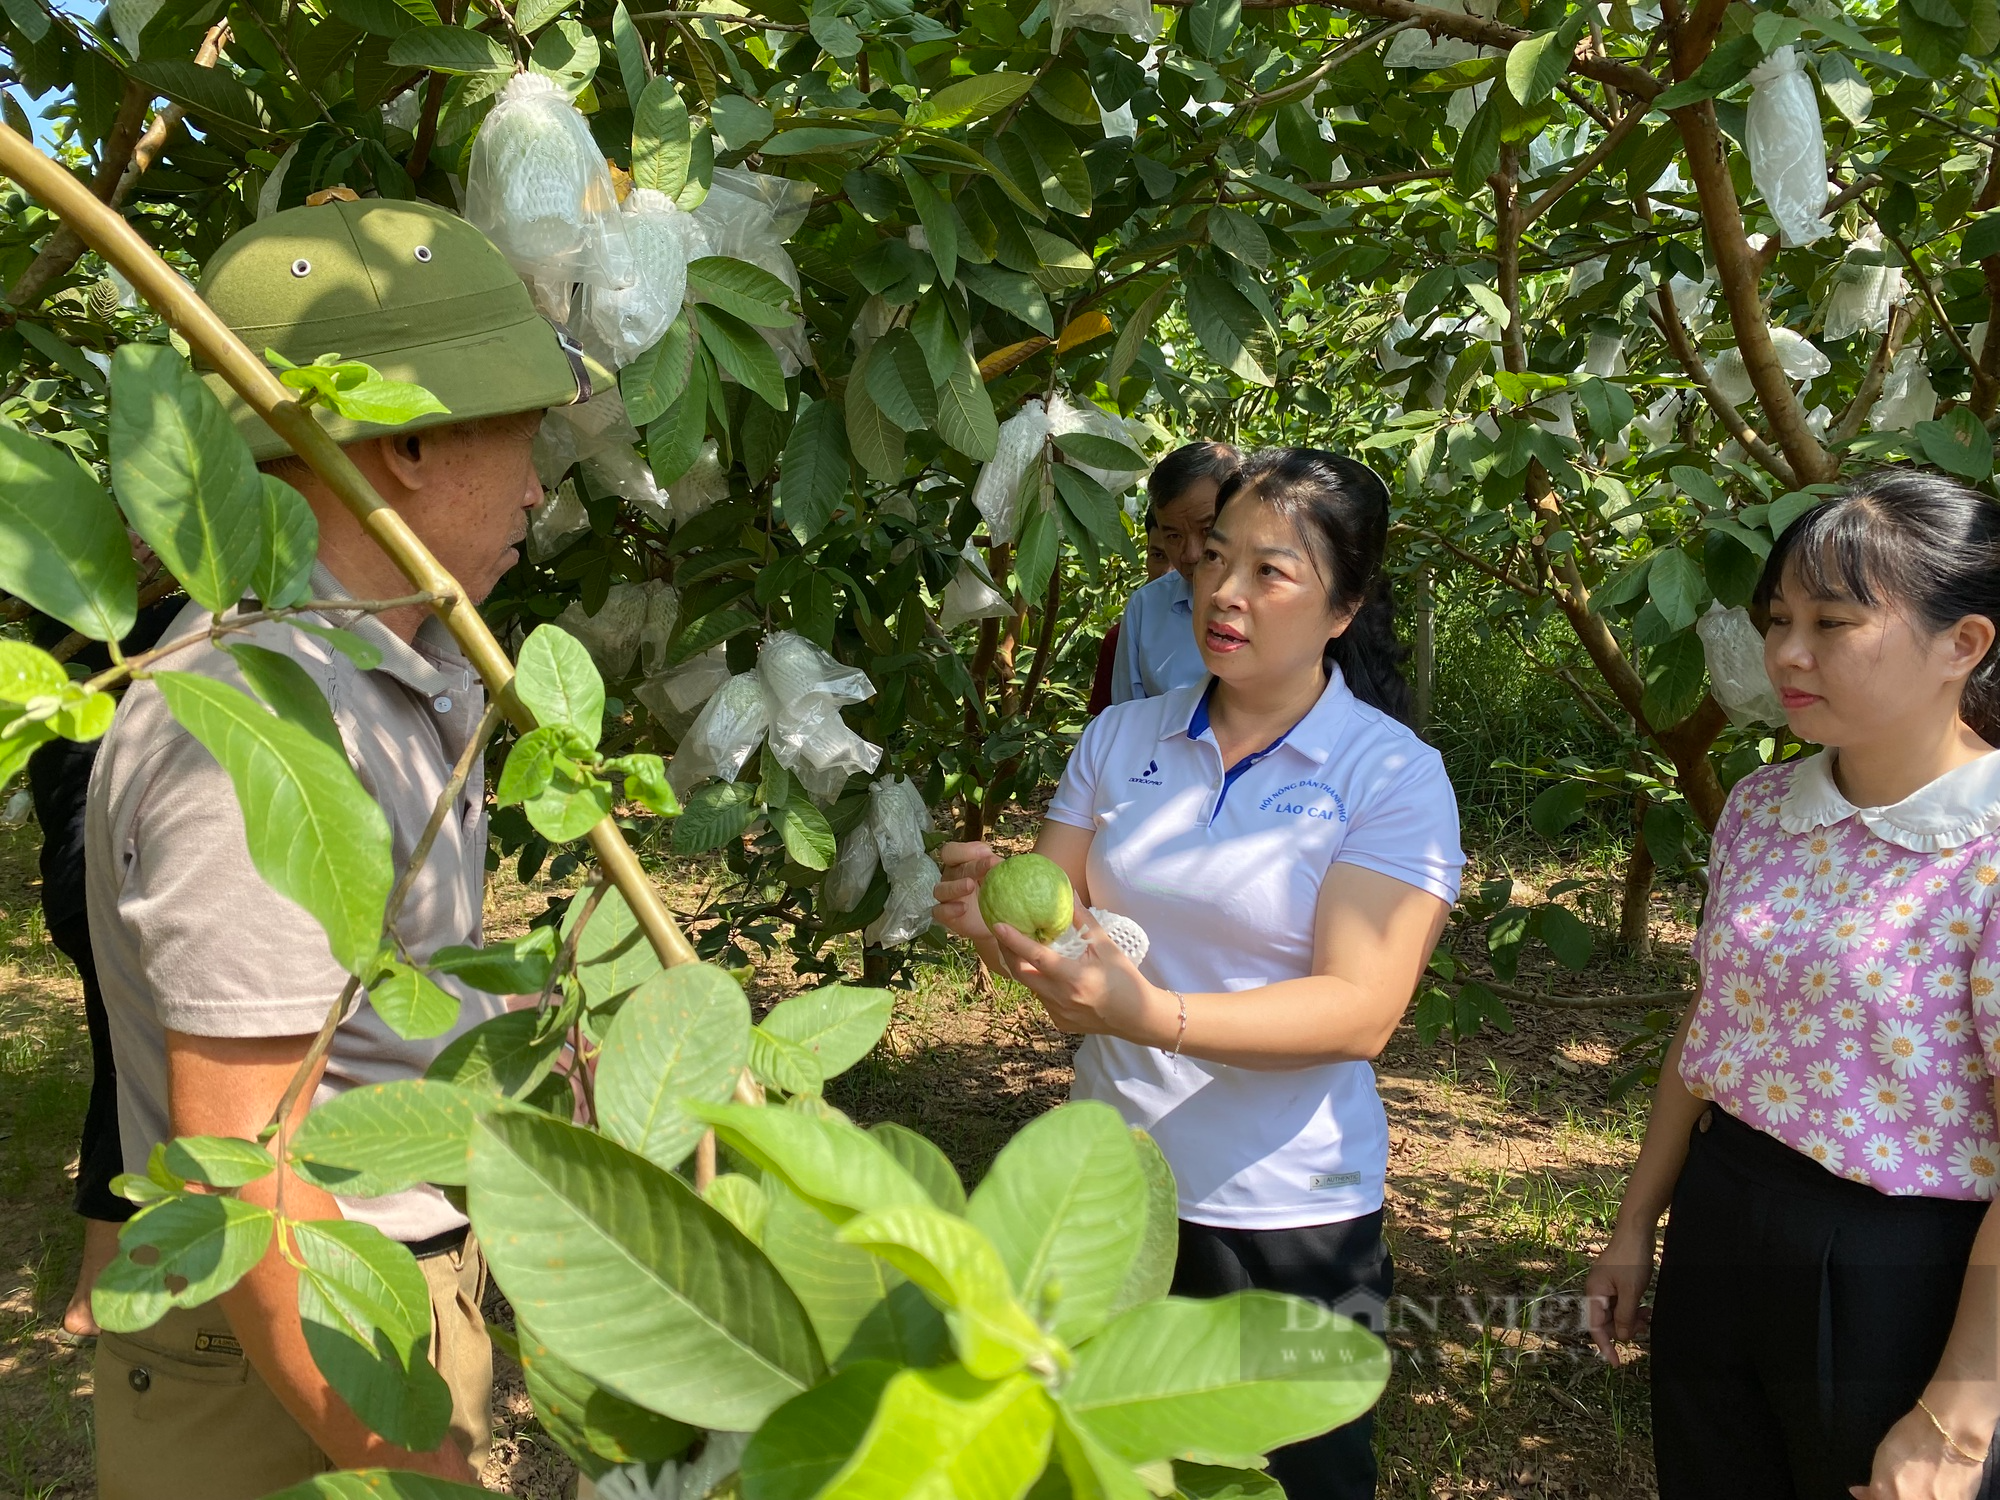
(1129,936)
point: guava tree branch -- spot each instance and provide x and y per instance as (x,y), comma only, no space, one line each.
(1635,81)
(125,159)
(1736,264)
(1667,318)
(217,628)
(322,1042)
(1870,390)
(1613,138)
(1650,998)
(181,307)
(60,253)
(1989,356)
(1980,379)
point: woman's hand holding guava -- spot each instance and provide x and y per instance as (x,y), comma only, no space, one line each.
(1102,993)
(964,866)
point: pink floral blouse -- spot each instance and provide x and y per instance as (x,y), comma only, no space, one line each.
(1849,959)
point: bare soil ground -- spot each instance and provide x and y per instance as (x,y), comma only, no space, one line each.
(1506,1162)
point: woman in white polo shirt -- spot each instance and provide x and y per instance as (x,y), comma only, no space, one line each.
(1291,848)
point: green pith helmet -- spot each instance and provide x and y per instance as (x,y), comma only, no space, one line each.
(406,287)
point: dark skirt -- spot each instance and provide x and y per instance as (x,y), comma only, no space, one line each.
(1798,1317)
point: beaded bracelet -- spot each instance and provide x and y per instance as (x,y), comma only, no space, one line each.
(1180,1035)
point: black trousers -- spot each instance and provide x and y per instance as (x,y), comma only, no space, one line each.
(1325,1262)
(1798,1317)
(99,1157)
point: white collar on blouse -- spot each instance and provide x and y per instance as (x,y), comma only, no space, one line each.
(1959,806)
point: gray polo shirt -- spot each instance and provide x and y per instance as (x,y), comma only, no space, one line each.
(189,938)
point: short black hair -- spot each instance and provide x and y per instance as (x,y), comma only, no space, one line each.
(1185,467)
(1899,539)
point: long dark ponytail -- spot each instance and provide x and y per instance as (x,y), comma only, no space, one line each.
(1919,543)
(1341,510)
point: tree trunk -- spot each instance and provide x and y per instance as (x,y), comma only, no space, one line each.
(1423,655)
(876,965)
(1635,927)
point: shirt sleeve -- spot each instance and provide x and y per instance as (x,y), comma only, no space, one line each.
(223,953)
(1125,683)
(1409,829)
(1075,801)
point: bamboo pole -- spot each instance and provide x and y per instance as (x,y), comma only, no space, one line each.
(104,230)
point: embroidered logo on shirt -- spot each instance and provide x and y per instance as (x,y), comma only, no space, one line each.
(1324,1182)
(1149,776)
(1293,801)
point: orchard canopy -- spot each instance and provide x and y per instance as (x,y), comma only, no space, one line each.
(1610,292)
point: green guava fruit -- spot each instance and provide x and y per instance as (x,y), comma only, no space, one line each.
(1031,894)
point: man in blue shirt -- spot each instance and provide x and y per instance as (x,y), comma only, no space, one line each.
(1156,647)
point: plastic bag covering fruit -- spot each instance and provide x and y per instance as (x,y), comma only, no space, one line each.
(1863,292)
(912,893)
(627,321)
(1907,394)
(1134,18)
(1031,894)
(847,882)
(805,689)
(694,682)
(569,433)
(663,613)
(702,485)
(1658,422)
(970,595)
(1605,354)
(1787,147)
(1798,357)
(1735,654)
(1127,934)
(891,836)
(538,188)
(750,215)
(1416,48)
(611,636)
(621,471)
(996,495)
(1586,274)
(559,517)
(1392,358)
(725,734)
(897,814)
(1066,416)
(1117,124)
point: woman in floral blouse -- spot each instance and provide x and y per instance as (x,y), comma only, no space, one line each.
(1827,1321)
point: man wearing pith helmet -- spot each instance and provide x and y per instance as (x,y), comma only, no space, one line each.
(213,982)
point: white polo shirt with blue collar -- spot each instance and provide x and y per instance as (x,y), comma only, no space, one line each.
(1224,870)
(1156,649)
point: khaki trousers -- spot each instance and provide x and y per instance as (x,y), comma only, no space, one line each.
(182,1415)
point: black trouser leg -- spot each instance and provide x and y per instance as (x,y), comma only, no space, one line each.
(1326,1263)
(99,1156)
(1798,1318)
